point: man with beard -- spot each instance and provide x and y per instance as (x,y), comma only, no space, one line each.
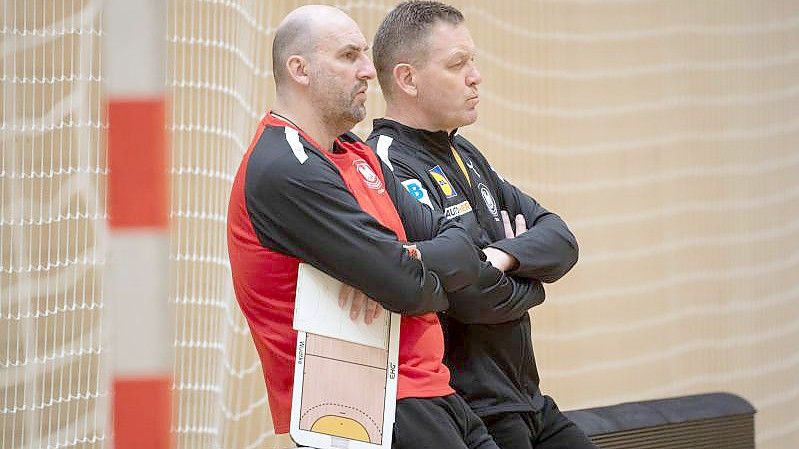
(424,57)
(308,191)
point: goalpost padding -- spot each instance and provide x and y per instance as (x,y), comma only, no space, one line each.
(140,319)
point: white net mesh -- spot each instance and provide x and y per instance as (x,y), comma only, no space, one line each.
(216,375)
(665,135)
(51,220)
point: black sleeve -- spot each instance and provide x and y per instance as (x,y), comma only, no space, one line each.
(305,210)
(548,249)
(444,244)
(495,297)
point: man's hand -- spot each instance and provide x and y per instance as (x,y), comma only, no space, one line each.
(521,225)
(359,301)
(498,258)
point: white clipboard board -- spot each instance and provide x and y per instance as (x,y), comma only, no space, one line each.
(345,392)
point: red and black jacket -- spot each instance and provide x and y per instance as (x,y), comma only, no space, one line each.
(343,212)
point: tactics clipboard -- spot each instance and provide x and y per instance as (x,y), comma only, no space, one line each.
(345,378)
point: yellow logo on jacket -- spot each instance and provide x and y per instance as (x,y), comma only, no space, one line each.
(441,179)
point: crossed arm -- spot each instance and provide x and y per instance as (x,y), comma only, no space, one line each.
(515,296)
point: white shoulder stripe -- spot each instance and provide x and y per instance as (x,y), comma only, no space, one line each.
(383,142)
(293,138)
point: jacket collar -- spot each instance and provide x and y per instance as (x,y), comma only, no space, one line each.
(437,141)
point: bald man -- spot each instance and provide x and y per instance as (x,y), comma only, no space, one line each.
(309,191)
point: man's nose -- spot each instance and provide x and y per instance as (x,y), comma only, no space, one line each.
(367,70)
(474,78)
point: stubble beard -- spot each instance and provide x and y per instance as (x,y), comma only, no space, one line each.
(340,110)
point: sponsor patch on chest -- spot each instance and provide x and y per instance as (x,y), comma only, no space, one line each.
(457,210)
(415,188)
(443,183)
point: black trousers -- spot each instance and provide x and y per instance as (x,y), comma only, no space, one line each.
(439,423)
(547,428)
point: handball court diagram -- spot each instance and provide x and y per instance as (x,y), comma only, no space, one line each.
(344,390)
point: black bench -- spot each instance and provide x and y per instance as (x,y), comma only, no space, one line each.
(713,420)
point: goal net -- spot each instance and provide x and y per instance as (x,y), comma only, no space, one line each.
(666,136)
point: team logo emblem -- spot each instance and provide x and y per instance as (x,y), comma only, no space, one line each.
(369,177)
(470,164)
(488,199)
(441,179)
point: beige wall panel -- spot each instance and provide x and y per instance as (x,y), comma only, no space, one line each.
(665,132)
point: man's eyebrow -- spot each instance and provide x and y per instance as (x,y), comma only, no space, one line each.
(459,53)
(355,47)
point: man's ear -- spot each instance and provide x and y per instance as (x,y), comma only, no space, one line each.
(405,78)
(297,68)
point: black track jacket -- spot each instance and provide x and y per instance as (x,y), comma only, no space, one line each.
(492,363)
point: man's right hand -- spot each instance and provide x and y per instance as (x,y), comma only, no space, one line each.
(498,258)
(359,302)
(521,225)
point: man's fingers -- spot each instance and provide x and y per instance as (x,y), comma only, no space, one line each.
(378,311)
(506,224)
(369,311)
(521,225)
(344,295)
(358,302)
